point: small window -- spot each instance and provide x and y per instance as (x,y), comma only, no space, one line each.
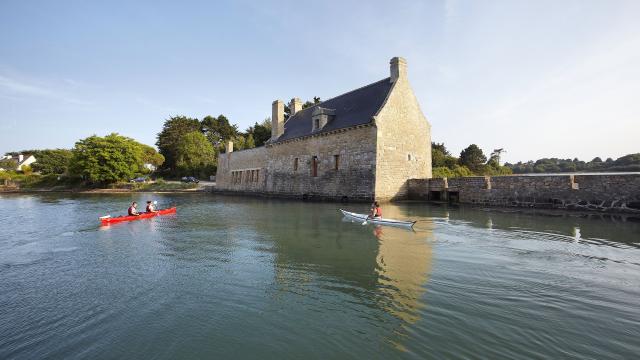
(257,175)
(336,162)
(408,157)
(316,124)
(314,166)
(295,164)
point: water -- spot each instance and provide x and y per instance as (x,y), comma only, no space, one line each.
(252,278)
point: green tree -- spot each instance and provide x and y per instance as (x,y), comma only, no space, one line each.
(261,132)
(195,155)
(249,142)
(151,156)
(218,130)
(52,161)
(104,160)
(440,156)
(8,164)
(169,138)
(26,169)
(473,158)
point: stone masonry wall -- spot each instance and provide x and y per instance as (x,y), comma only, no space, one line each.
(404,143)
(618,193)
(242,162)
(354,178)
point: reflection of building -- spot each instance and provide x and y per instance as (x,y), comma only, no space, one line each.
(388,270)
(364,144)
(404,261)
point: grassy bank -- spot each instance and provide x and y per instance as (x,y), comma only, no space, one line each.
(13,181)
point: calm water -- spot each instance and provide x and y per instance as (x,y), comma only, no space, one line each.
(240,278)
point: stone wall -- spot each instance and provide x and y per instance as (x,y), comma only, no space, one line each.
(620,193)
(242,170)
(404,139)
(354,178)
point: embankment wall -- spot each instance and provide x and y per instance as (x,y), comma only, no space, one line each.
(615,193)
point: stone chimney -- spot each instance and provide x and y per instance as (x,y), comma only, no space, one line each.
(277,120)
(295,105)
(398,69)
(229,147)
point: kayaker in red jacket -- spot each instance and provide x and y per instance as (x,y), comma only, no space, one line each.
(132,209)
(150,207)
(376,211)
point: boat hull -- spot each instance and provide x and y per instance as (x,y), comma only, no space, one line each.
(377,221)
(110,220)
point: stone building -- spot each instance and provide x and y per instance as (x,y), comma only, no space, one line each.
(362,145)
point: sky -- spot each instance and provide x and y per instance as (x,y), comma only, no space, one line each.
(538,78)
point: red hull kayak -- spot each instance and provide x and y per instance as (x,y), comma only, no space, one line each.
(110,220)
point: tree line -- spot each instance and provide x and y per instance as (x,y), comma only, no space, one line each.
(630,162)
(471,162)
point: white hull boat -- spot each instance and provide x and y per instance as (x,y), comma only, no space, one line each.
(379,221)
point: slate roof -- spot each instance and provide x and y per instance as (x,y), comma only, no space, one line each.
(356,107)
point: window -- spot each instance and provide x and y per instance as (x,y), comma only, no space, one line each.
(316,124)
(257,175)
(336,162)
(314,166)
(295,164)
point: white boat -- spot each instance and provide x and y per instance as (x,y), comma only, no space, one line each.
(380,221)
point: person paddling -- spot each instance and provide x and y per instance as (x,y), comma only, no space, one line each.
(376,211)
(150,207)
(133,211)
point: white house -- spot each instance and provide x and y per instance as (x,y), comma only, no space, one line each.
(21,160)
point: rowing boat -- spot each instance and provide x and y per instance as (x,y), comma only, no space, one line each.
(106,220)
(379,221)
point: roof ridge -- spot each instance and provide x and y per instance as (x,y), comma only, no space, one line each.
(338,96)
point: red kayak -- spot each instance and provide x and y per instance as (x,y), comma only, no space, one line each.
(106,220)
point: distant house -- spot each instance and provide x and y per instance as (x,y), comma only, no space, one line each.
(149,167)
(21,160)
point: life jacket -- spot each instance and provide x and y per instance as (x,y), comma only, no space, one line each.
(378,212)
(131,209)
(149,208)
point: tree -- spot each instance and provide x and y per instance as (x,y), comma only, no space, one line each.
(249,142)
(169,138)
(26,169)
(440,156)
(52,161)
(151,156)
(472,157)
(108,159)
(494,158)
(261,132)
(8,164)
(195,155)
(218,130)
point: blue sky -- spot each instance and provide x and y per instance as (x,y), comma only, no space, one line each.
(538,78)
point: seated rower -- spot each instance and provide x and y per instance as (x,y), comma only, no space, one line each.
(133,211)
(376,211)
(150,207)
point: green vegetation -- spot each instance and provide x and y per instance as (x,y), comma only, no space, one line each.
(109,159)
(629,162)
(52,161)
(195,155)
(472,162)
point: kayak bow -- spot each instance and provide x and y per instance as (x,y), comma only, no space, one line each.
(379,221)
(106,220)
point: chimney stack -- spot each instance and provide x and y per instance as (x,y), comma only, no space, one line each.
(295,105)
(277,120)
(398,69)
(229,147)
(20,158)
